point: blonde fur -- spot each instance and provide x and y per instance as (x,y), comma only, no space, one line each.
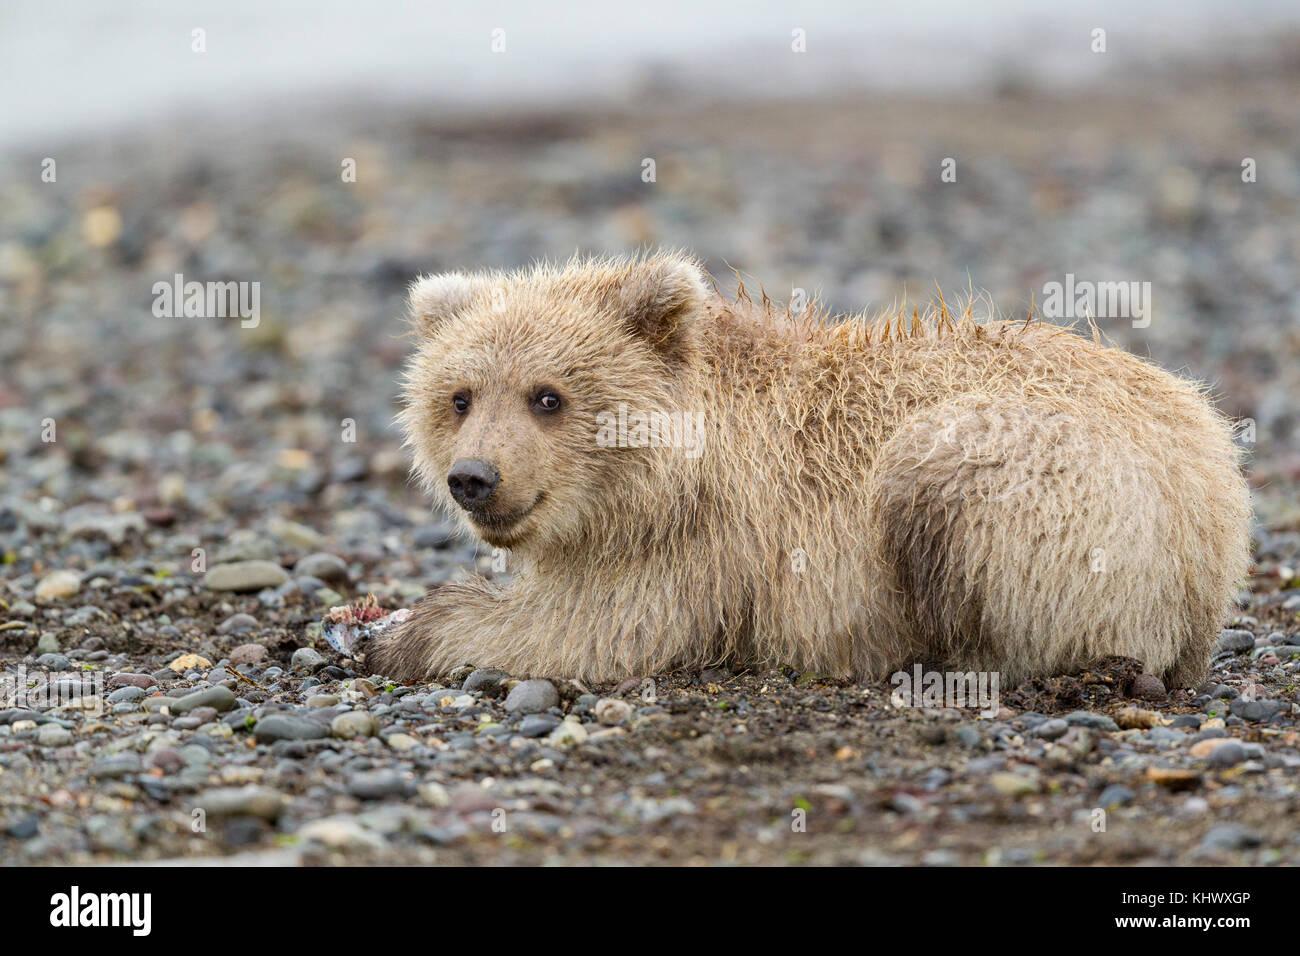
(999,496)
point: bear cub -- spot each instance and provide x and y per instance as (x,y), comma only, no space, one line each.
(682,480)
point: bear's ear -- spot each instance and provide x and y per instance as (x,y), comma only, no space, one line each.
(435,300)
(659,300)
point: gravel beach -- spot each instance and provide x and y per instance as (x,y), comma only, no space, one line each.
(183,500)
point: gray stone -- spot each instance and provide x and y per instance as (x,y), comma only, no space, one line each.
(250,800)
(1052,729)
(275,727)
(245,576)
(532,697)
(538,725)
(488,680)
(378,784)
(1236,640)
(1227,755)
(238,624)
(115,766)
(52,735)
(219,698)
(1229,836)
(327,567)
(1116,795)
(306,659)
(354,723)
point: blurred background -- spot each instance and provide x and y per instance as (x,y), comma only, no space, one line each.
(800,144)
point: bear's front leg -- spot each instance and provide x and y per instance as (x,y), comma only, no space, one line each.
(532,628)
(451,627)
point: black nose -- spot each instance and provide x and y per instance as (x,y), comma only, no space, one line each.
(472,481)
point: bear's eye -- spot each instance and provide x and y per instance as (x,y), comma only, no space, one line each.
(460,402)
(546,400)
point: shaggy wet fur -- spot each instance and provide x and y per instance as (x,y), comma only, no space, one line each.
(1001,496)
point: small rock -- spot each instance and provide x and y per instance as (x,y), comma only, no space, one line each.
(354,723)
(58,586)
(187,662)
(538,725)
(327,567)
(532,697)
(1148,687)
(1227,755)
(52,735)
(1229,836)
(239,624)
(611,711)
(244,576)
(1012,784)
(275,727)
(306,659)
(1116,795)
(250,800)
(247,655)
(378,784)
(1052,729)
(220,698)
(115,766)
(567,733)
(488,680)
(143,681)
(1172,778)
(1236,640)
(341,833)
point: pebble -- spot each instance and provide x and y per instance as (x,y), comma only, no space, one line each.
(1116,795)
(123,679)
(532,697)
(538,725)
(1229,836)
(1228,755)
(1236,640)
(354,723)
(567,734)
(275,727)
(1012,784)
(340,833)
(1148,687)
(52,735)
(219,698)
(1052,729)
(250,800)
(239,624)
(242,576)
(58,586)
(378,784)
(327,567)
(611,711)
(115,766)
(247,655)
(306,659)
(487,680)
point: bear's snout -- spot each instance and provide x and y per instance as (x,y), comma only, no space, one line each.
(472,481)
